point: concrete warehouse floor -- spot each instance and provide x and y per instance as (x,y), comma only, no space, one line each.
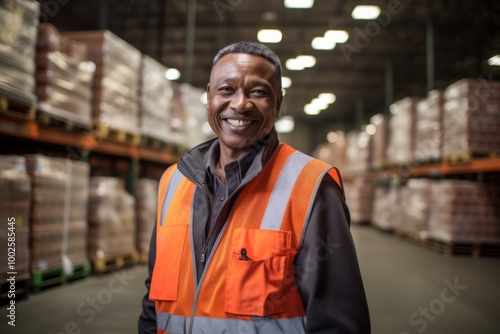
(410,290)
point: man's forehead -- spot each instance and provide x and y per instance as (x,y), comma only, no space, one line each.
(235,59)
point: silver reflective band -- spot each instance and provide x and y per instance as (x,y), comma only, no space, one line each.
(174,324)
(172,187)
(281,193)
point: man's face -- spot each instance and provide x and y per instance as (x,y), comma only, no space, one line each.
(243,100)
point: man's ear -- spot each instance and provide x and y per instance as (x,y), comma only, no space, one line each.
(208,95)
(279,100)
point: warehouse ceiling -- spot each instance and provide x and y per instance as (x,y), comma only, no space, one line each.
(414,46)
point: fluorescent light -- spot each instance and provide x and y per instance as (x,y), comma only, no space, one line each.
(294,65)
(204,98)
(336,36)
(494,61)
(309,109)
(299,3)
(286,82)
(327,97)
(321,105)
(365,12)
(306,60)
(332,137)
(269,36)
(172,74)
(285,124)
(321,43)
(377,119)
(370,129)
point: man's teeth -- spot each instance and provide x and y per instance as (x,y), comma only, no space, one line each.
(238,122)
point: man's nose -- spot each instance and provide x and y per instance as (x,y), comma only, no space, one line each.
(240,102)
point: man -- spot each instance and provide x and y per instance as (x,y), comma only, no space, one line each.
(252,236)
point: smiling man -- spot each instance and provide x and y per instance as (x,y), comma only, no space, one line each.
(252,236)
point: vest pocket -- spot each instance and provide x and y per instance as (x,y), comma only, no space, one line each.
(256,272)
(170,243)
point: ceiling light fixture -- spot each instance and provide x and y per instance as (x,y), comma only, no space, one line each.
(285,124)
(494,61)
(365,12)
(286,82)
(321,43)
(327,97)
(309,109)
(269,36)
(172,74)
(299,3)
(300,62)
(336,36)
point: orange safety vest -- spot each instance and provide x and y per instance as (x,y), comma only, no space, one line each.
(248,284)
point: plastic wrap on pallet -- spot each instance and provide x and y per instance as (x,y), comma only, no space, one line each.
(385,207)
(465,211)
(401,142)
(116,82)
(357,152)
(429,128)
(111,219)
(14,212)
(334,152)
(147,197)
(415,207)
(18,34)
(178,121)
(196,115)
(64,77)
(154,101)
(471,117)
(359,197)
(378,141)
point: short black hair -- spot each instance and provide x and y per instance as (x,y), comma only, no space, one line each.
(252,48)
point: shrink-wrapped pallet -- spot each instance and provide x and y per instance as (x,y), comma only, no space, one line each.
(359,197)
(465,211)
(155,99)
(111,219)
(64,77)
(402,131)
(116,81)
(385,207)
(14,214)
(378,141)
(195,116)
(147,198)
(471,117)
(429,128)
(415,207)
(18,35)
(357,152)
(333,153)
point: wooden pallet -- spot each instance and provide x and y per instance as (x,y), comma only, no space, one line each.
(429,161)
(118,135)
(17,109)
(46,118)
(466,156)
(155,143)
(452,248)
(410,238)
(143,257)
(22,289)
(80,270)
(110,263)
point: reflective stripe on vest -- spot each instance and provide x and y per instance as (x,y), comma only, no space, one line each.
(255,293)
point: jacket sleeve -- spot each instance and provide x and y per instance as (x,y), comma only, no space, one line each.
(327,270)
(147,319)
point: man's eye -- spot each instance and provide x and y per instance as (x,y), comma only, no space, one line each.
(259,92)
(225,89)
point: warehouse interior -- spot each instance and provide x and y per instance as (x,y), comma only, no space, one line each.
(98,98)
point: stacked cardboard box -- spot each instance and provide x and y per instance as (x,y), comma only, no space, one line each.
(357,152)
(116,82)
(14,212)
(48,179)
(178,122)
(111,219)
(385,207)
(429,128)
(465,211)
(18,34)
(415,202)
(147,198)
(196,116)
(359,196)
(64,77)
(155,99)
(402,131)
(472,117)
(379,141)
(333,153)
